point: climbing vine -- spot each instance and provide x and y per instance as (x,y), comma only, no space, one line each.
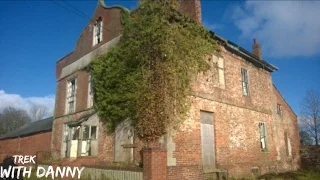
(146,77)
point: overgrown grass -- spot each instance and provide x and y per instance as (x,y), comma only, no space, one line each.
(296,175)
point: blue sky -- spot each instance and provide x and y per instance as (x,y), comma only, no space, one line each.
(35,34)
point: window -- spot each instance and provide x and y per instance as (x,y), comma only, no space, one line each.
(279,109)
(288,144)
(245,82)
(90,92)
(263,136)
(85,132)
(71,96)
(75,133)
(89,132)
(97,32)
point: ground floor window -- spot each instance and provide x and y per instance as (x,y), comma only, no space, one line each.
(81,140)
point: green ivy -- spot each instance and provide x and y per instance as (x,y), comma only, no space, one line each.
(146,77)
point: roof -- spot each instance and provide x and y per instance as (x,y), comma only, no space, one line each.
(44,125)
(230,46)
(233,47)
(81,119)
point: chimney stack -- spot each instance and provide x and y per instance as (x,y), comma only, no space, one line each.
(192,9)
(256,50)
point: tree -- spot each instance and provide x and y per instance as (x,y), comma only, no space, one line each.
(38,112)
(310,114)
(146,77)
(305,138)
(12,119)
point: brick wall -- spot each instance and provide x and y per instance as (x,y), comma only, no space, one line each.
(287,125)
(82,80)
(111,29)
(28,145)
(191,8)
(236,119)
(154,164)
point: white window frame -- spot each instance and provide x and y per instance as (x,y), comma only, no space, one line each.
(71,96)
(245,82)
(97,32)
(263,136)
(90,92)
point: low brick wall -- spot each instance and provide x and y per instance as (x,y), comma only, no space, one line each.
(28,145)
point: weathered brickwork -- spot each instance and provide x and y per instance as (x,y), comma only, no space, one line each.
(155,162)
(236,117)
(27,145)
(236,120)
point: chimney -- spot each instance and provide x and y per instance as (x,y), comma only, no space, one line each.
(192,9)
(256,50)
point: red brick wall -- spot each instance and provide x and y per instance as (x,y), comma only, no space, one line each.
(236,119)
(28,145)
(82,81)
(154,164)
(111,29)
(191,8)
(287,123)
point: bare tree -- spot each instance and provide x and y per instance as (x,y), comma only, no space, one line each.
(305,138)
(310,114)
(38,112)
(11,119)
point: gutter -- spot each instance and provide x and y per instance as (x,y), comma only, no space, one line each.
(249,56)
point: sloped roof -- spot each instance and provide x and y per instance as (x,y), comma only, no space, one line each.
(44,125)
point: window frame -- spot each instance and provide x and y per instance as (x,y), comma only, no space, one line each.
(90,92)
(279,110)
(71,96)
(245,82)
(263,136)
(97,32)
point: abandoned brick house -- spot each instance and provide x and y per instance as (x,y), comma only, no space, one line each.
(238,119)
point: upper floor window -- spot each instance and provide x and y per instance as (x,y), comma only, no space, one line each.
(97,32)
(90,92)
(245,82)
(263,136)
(279,109)
(71,96)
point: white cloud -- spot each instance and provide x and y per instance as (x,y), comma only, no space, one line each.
(283,28)
(25,103)
(212,26)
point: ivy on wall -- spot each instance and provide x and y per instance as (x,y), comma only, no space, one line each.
(146,77)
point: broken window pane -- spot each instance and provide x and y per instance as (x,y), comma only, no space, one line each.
(93,132)
(75,133)
(85,132)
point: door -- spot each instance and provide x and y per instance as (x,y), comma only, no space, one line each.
(124,136)
(74,142)
(207,141)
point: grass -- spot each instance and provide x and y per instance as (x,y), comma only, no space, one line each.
(296,175)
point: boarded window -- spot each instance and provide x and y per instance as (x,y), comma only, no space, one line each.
(207,140)
(287,141)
